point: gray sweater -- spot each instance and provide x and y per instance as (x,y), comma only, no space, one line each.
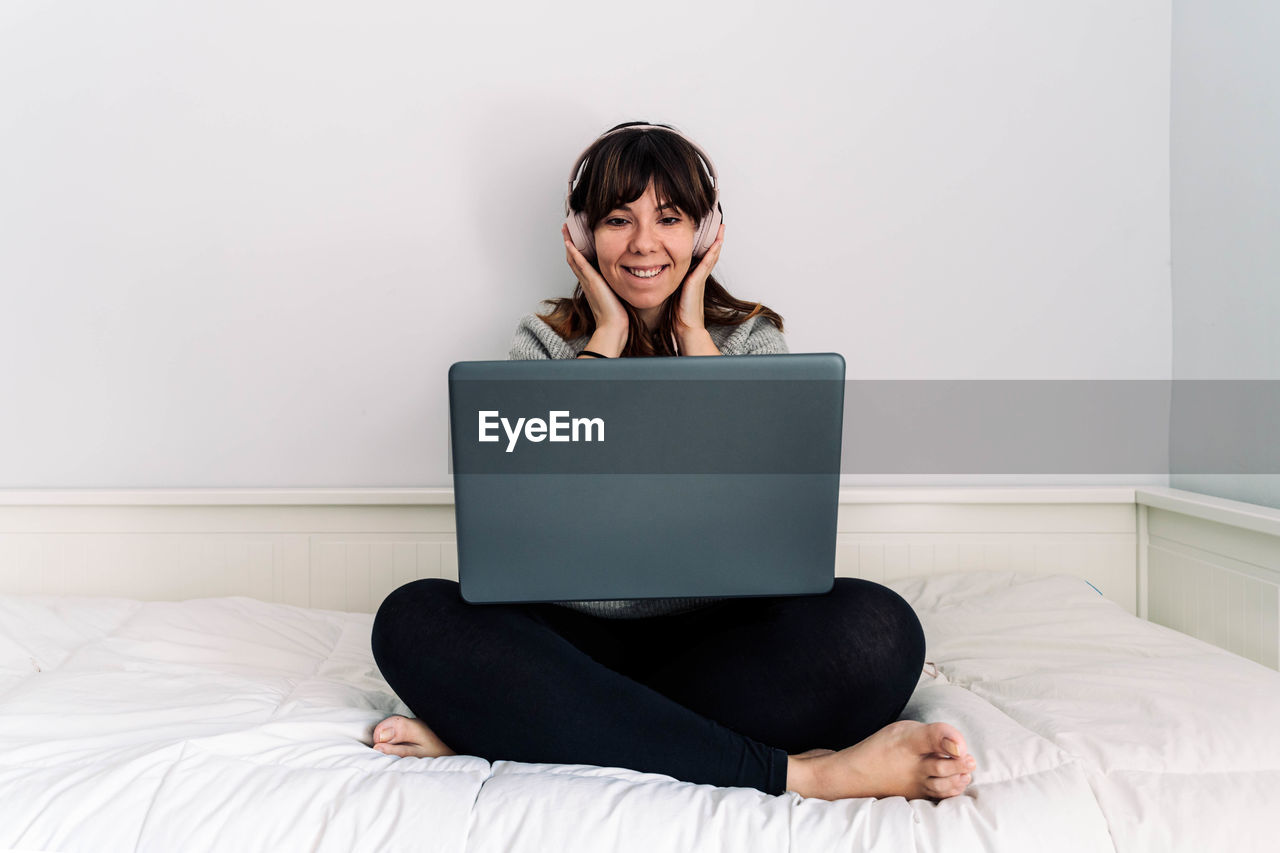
(535,340)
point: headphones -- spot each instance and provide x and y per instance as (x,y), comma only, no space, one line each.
(583,234)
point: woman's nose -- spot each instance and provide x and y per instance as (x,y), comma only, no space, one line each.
(644,239)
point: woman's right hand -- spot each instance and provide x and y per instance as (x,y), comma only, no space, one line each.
(606,307)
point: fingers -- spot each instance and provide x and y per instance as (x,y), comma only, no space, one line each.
(692,298)
(577,260)
(604,303)
(401,750)
(571,253)
(569,248)
(582,268)
(709,260)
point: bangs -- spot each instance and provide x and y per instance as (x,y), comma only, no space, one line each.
(624,165)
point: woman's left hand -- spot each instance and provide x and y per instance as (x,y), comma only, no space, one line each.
(690,318)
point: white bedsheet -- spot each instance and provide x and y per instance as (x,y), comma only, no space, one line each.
(232,724)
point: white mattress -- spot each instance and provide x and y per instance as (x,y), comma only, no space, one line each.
(232,724)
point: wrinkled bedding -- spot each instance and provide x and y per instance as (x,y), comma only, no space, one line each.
(233,724)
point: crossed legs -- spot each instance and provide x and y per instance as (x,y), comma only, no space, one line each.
(718,696)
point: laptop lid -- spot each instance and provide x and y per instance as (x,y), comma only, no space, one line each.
(646,477)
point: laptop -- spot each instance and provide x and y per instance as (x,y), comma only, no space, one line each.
(639,478)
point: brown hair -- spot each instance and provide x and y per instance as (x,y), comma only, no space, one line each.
(620,166)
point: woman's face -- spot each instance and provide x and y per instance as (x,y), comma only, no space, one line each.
(644,252)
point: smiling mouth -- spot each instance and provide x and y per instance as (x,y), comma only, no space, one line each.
(645,272)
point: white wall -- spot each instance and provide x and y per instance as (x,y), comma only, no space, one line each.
(243,243)
(1226,207)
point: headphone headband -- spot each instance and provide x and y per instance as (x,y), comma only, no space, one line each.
(575,172)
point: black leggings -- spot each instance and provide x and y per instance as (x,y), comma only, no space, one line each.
(717,696)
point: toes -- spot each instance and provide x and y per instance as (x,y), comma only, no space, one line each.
(934,766)
(936,788)
(943,767)
(940,739)
(945,739)
(387,731)
(950,786)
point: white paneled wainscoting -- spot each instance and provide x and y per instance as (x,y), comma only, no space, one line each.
(1205,566)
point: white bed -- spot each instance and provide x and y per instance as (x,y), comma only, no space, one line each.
(191,671)
(236,724)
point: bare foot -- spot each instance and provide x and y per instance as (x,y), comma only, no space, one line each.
(407,736)
(904,759)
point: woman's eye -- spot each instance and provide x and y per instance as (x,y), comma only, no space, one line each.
(671,220)
(615,221)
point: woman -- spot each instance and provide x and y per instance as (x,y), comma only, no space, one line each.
(793,693)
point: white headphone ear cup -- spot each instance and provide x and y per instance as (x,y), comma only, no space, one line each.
(707,231)
(582,235)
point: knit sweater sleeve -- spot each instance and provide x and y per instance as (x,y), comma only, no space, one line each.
(756,336)
(536,340)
